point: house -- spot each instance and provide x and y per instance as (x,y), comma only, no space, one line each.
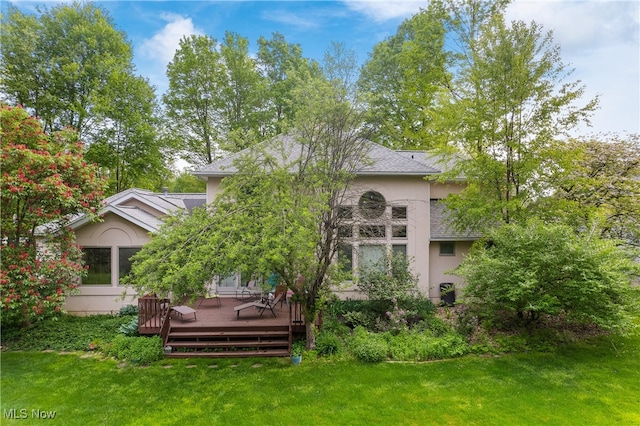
(390,207)
(127,220)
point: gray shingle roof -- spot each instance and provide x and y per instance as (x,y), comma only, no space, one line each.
(440,229)
(378,161)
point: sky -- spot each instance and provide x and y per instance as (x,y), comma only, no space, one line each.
(600,39)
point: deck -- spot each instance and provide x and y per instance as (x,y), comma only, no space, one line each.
(218,331)
(209,314)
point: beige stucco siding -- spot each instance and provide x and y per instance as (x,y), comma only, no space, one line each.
(113,232)
(440,190)
(441,264)
(414,193)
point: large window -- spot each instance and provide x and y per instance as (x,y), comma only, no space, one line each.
(371,256)
(124,260)
(98,263)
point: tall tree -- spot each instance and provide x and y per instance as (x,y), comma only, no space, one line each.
(244,111)
(282,65)
(215,98)
(45,181)
(70,66)
(405,78)
(515,101)
(196,76)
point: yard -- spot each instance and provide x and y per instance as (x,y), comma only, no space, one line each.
(592,383)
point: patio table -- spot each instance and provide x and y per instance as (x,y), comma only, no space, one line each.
(184,310)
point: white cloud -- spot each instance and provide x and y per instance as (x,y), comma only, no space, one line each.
(601,40)
(384,10)
(292,19)
(163,45)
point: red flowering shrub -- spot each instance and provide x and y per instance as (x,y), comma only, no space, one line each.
(44,182)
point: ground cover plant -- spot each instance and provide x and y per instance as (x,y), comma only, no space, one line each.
(69,333)
(594,382)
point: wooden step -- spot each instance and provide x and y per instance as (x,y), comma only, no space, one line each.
(236,344)
(223,334)
(230,354)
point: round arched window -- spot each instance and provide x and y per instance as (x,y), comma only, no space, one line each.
(372,205)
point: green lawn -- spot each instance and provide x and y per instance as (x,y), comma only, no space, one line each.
(594,383)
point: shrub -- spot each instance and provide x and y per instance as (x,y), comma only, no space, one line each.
(328,343)
(140,350)
(128,310)
(358,319)
(524,272)
(130,328)
(390,278)
(369,347)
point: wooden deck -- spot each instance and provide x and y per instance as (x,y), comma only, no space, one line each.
(218,331)
(209,314)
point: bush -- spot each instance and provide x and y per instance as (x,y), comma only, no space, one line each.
(524,272)
(369,347)
(328,343)
(419,346)
(128,310)
(130,328)
(139,350)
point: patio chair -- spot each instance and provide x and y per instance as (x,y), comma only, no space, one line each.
(250,291)
(260,305)
(210,295)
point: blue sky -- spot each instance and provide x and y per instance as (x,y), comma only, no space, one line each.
(599,38)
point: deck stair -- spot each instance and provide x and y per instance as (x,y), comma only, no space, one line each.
(228,342)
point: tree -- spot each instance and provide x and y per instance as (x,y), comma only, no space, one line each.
(278,214)
(192,106)
(45,181)
(243,97)
(524,272)
(283,67)
(514,104)
(126,144)
(595,182)
(71,67)
(405,78)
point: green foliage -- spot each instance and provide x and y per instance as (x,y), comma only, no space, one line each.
(355,319)
(64,333)
(139,350)
(420,346)
(596,181)
(70,66)
(128,310)
(368,347)
(390,278)
(298,347)
(187,182)
(328,343)
(523,272)
(130,328)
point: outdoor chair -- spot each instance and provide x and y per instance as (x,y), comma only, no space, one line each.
(249,291)
(210,295)
(260,305)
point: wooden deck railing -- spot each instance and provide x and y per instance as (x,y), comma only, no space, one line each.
(152,312)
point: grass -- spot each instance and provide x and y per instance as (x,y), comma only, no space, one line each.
(596,382)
